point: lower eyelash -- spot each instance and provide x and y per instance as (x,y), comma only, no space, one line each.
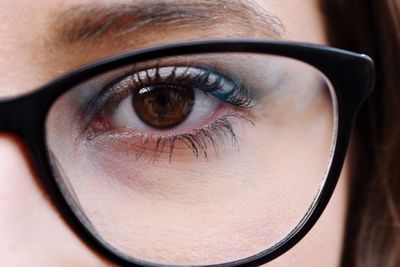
(220,131)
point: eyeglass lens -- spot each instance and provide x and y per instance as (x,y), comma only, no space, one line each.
(218,154)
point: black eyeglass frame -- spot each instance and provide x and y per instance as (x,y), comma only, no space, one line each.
(351,75)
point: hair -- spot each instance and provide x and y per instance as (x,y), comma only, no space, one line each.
(372,27)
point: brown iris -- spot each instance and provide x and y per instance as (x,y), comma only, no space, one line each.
(163,106)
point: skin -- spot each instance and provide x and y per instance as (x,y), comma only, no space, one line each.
(32,231)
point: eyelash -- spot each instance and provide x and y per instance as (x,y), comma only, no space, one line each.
(236,93)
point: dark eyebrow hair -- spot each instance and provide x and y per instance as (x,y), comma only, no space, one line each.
(86,22)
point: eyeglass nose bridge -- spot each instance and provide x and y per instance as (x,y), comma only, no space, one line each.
(7,118)
(16,115)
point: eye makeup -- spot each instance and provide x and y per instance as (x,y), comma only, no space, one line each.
(230,90)
(214,128)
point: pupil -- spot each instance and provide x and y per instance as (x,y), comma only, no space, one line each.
(163,106)
(162,99)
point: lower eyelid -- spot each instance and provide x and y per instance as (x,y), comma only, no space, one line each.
(218,133)
(222,110)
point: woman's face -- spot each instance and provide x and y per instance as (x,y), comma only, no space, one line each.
(207,203)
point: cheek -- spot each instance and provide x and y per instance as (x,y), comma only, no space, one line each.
(323,245)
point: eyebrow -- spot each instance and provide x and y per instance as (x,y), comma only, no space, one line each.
(88,22)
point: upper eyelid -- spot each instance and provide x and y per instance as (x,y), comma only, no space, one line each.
(109,94)
(114,86)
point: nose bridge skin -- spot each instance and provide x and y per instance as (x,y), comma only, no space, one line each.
(32,232)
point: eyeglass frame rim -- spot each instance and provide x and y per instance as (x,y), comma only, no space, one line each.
(351,75)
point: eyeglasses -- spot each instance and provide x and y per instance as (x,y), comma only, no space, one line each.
(206,153)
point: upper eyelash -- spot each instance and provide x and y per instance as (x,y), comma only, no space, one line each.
(237,92)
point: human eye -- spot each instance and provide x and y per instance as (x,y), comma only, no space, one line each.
(162,110)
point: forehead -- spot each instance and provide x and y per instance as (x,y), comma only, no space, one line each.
(44,38)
